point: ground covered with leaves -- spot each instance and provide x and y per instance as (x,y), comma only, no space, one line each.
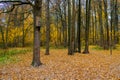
(98,65)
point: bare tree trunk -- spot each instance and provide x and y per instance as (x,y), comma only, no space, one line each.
(116,21)
(88,7)
(95,25)
(101,23)
(65,25)
(106,24)
(23,36)
(111,23)
(73,27)
(69,28)
(79,27)
(37,24)
(47,28)
(93,28)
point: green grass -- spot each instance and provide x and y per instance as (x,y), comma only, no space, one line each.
(117,47)
(6,55)
(96,47)
(54,47)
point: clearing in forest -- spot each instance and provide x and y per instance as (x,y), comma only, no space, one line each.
(98,65)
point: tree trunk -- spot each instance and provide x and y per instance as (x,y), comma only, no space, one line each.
(79,28)
(69,28)
(47,28)
(116,21)
(93,28)
(23,36)
(37,24)
(65,25)
(88,7)
(95,25)
(111,25)
(73,27)
(101,24)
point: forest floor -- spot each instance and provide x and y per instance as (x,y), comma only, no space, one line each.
(98,65)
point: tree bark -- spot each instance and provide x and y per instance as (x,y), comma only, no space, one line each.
(106,24)
(69,28)
(88,7)
(47,28)
(23,36)
(73,27)
(79,27)
(101,24)
(37,24)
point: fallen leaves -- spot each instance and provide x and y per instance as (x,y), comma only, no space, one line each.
(98,65)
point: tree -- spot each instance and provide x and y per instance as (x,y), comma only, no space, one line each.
(37,9)
(116,21)
(73,27)
(69,29)
(65,25)
(47,27)
(79,27)
(101,23)
(23,38)
(88,7)
(106,23)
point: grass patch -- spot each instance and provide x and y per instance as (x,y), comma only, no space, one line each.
(96,47)
(54,47)
(6,55)
(117,47)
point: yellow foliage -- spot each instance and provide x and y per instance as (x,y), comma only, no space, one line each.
(53,33)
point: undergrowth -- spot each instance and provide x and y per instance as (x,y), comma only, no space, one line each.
(6,55)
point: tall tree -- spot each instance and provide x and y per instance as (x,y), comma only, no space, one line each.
(69,28)
(47,27)
(73,27)
(37,24)
(106,23)
(79,27)
(37,10)
(111,26)
(23,38)
(101,23)
(88,7)
(65,25)
(116,21)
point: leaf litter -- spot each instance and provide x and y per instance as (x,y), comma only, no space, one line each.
(98,65)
